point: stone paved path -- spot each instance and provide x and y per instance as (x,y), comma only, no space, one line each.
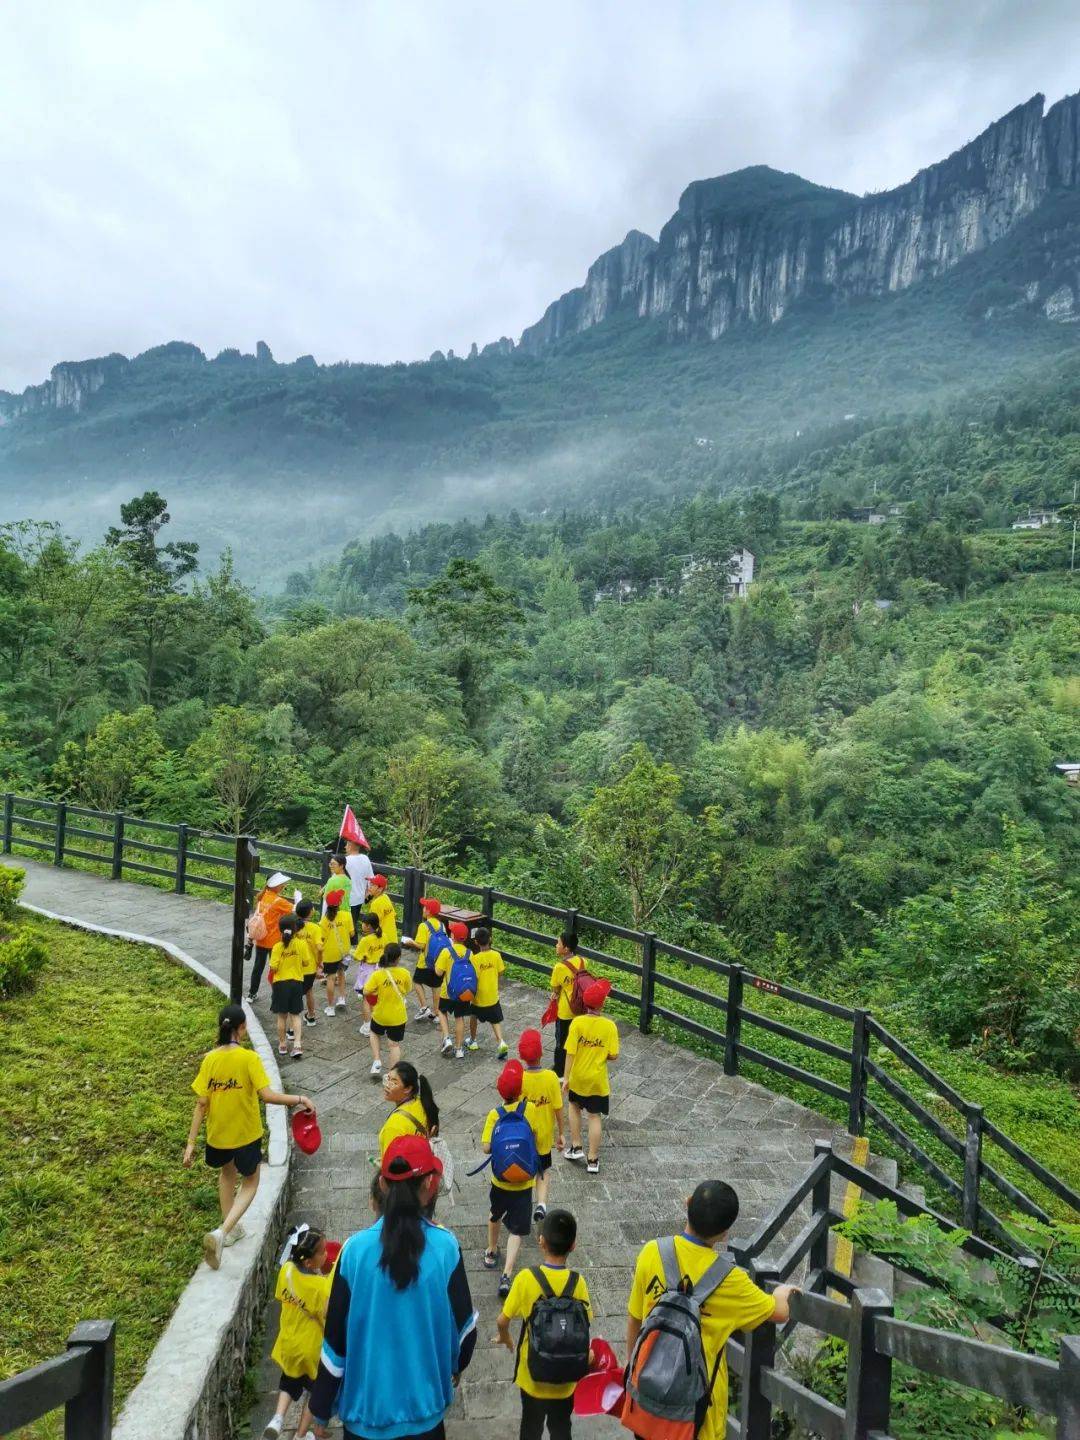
(676,1119)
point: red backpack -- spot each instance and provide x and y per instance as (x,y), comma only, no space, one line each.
(582,981)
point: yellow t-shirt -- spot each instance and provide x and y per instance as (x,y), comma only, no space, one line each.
(424,932)
(562,979)
(592,1041)
(544,1093)
(489,966)
(311,937)
(369,949)
(524,1293)
(738,1304)
(288,963)
(489,1127)
(382,907)
(444,964)
(304,1296)
(231,1077)
(385,992)
(337,936)
(399,1123)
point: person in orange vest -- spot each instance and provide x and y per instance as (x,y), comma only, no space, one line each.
(264,926)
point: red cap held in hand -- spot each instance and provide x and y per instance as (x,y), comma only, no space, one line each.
(306,1132)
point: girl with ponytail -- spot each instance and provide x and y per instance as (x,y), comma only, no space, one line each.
(409,1274)
(415,1111)
(230,1083)
(304,1293)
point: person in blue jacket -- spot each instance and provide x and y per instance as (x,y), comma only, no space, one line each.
(402,1280)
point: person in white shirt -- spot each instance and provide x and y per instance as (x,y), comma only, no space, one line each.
(360,870)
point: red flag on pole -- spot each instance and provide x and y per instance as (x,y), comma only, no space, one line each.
(350,829)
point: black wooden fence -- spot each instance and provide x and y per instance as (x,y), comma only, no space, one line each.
(875,1338)
(842,1053)
(81,1380)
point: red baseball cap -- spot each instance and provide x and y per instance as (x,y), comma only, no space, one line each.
(531,1046)
(335,897)
(379,880)
(417,1154)
(458,930)
(596,994)
(431,904)
(509,1082)
(306,1132)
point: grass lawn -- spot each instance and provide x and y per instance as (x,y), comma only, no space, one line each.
(98,1219)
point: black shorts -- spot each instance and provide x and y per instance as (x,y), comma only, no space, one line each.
(331,967)
(460,1008)
(423,976)
(593,1104)
(545,1164)
(489,1014)
(309,981)
(513,1208)
(247,1158)
(392,1032)
(294,1385)
(286,997)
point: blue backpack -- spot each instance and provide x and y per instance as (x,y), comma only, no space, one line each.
(438,941)
(461,982)
(514,1157)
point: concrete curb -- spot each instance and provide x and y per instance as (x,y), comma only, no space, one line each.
(195,1370)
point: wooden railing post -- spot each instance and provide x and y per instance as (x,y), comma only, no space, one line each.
(487,904)
(570,921)
(857,1095)
(648,982)
(245,866)
(118,847)
(9,816)
(733,1027)
(88,1416)
(869,1378)
(972,1167)
(180,883)
(820,1199)
(61,827)
(1068,1418)
(759,1352)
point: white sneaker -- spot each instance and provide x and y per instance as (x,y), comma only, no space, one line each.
(365,1029)
(424,1013)
(330,1011)
(471,1045)
(459,1054)
(341,1004)
(212,1244)
(376,1067)
(236,1233)
(273,1427)
(446,1046)
(574,1152)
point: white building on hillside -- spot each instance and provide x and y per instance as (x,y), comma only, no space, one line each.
(1036,520)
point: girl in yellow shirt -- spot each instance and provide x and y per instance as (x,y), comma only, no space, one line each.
(380,904)
(414,1112)
(230,1083)
(337,937)
(591,1044)
(385,993)
(368,952)
(304,1293)
(287,961)
(311,936)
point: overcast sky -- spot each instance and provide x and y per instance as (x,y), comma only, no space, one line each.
(370,181)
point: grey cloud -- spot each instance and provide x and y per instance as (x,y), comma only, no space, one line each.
(375,181)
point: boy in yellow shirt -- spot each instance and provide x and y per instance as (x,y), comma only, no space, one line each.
(337,937)
(566,966)
(304,1293)
(511,1200)
(457,1010)
(489,965)
(549,1403)
(736,1303)
(368,952)
(382,907)
(385,993)
(287,961)
(311,935)
(591,1044)
(544,1093)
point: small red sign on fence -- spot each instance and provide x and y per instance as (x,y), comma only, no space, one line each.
(770,985)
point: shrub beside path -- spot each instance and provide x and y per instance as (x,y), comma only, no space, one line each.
(675,1119)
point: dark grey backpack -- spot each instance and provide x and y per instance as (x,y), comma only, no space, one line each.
(667,1379)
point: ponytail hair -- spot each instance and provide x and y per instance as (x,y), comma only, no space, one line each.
(421,1088)
(372,921)
(391,955)
(307,1243)
(402,1238)
(231,1019)
(331,913)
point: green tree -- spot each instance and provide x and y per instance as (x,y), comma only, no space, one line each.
(115,770)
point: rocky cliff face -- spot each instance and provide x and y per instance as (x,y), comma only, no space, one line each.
(69,386)
(744,247)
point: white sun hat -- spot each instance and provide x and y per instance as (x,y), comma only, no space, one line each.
(277,879)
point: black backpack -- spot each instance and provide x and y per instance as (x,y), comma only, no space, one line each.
(558,1328)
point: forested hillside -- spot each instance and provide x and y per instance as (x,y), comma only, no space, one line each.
(847,777)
